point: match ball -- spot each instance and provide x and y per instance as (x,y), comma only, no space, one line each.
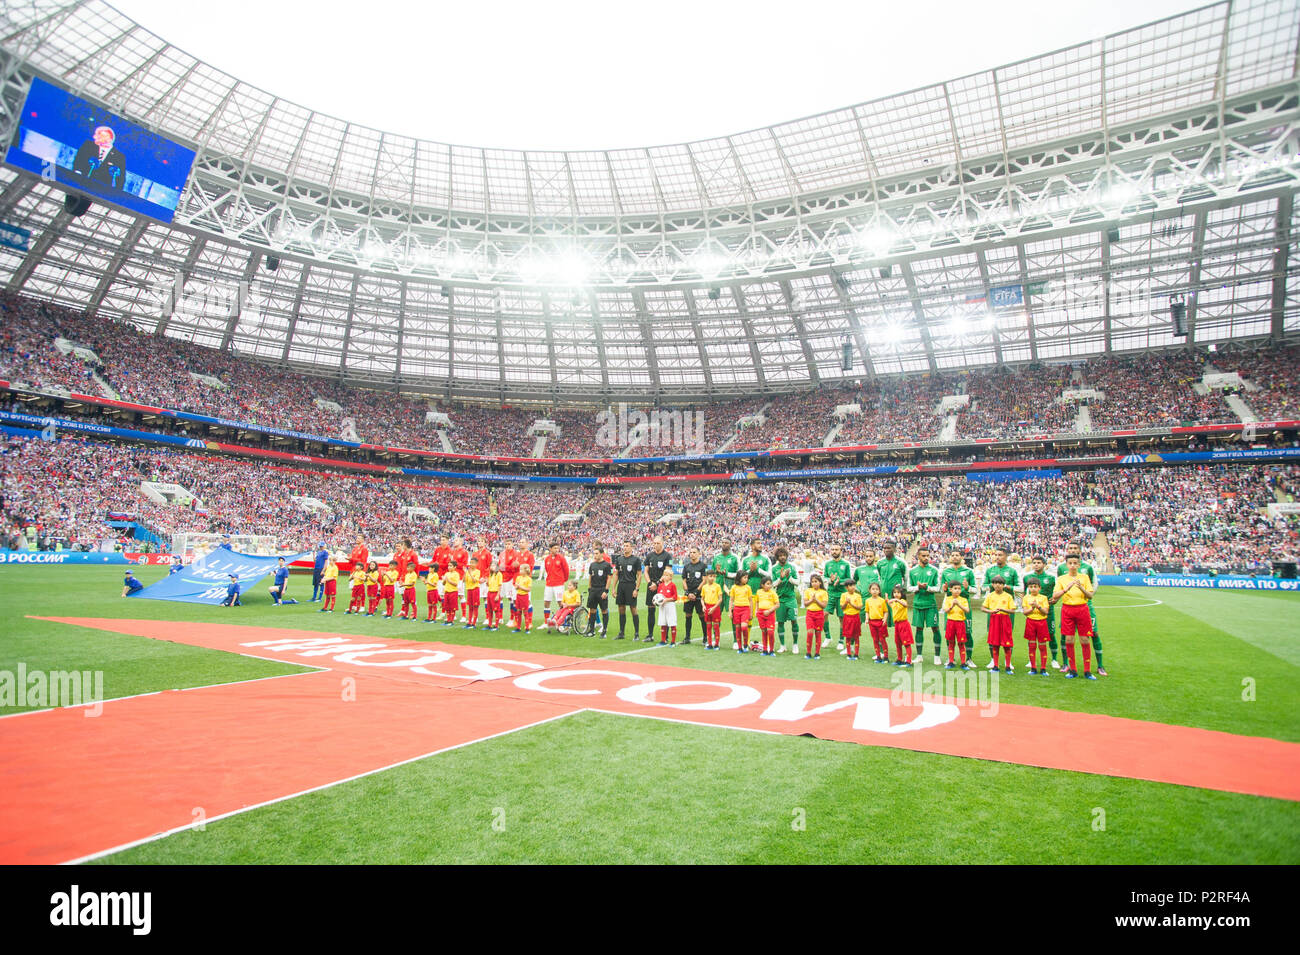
(659,600)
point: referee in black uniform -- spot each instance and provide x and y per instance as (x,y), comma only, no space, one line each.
(657,563)
(598,574)
(627,567)
(693,572)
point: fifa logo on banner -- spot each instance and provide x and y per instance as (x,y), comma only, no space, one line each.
(658,428)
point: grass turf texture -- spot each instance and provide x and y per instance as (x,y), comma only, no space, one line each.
(563,785)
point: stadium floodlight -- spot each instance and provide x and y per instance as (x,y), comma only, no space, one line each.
(572,269)
(709,264)
(1121,194)
(893,333)
(876,240)
(532,269)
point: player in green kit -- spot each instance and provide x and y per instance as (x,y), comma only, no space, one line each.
(1046,584)
(836,573)
(1010,577)
(1073,549)
(725,566)
(866,574)
(893,573)
(958,573)
(786,578)
(923,583)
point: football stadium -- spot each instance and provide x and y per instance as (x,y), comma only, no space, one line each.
(914,482)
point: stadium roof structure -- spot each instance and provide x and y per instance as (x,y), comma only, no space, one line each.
(1043,210)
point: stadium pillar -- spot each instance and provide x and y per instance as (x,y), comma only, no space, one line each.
(1281,262)
(796,317)
(1194,272)
(237,310)
(754,353)
(123,252)
(694,312)
(984,278)
(37,252)
(594,305)
(909,277)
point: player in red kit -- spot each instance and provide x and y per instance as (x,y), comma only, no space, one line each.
(441,556)
(556,571)
(482,560)
(360,555)
(508,564)
(526,555)
(403,558)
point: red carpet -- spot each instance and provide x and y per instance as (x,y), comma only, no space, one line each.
(72,786)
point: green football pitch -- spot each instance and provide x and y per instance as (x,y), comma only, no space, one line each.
(596,787)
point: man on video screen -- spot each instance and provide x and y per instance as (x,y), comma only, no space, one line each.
(99,161)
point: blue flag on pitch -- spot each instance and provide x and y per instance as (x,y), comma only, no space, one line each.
(205,580)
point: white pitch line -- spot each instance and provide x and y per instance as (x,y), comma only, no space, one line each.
(270,802)
(177,689)
(628,653)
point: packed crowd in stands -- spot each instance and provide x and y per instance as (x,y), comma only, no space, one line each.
(1012,402)
(1273,371)
(1027,517)
(501,432)
(160,371)
(898,409)
(1141,390)
(1152,389)
(1209,517)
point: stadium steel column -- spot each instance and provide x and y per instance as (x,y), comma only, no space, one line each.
(754,354)
(14,194)
(1105,289)
(1194,271)
(796,316)
(187,269)
(293,316)
(854,323)
(550,340)
(47,238)
(401,335)
(909,278)
(1281,262)
(699,337)
(594,304)
(1029,309)
(124,250)
(988,306)
(250,270)
(347,328)
(644,322)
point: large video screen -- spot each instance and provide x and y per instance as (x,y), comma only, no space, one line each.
(91,150)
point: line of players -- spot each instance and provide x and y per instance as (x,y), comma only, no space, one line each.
(759,592)
(770,594)
(458,585)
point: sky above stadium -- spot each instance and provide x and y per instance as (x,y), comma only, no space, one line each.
(593,74)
